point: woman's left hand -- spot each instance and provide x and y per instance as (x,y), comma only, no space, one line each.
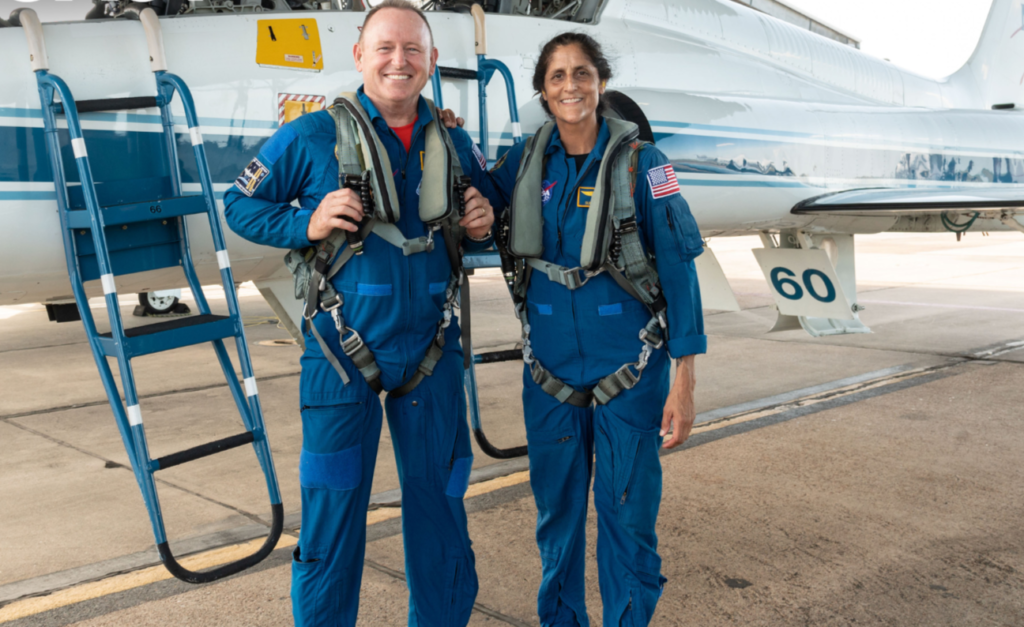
(479,214)
(447,117)
(679,412)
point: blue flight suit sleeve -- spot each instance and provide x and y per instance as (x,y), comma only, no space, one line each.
(503,175)
(474,164)
(672,234)
(258,206)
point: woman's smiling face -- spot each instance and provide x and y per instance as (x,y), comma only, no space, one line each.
(572,87)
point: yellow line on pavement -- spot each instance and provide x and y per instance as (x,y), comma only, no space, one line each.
(127,581)
(201,561)
(388,513)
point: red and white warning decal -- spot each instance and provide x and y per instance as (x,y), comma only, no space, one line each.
(291,106)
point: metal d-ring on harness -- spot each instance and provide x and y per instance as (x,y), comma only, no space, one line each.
(441,204)
(611,244)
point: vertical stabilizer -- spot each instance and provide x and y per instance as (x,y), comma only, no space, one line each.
(996,68)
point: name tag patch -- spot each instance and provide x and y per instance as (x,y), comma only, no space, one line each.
(251,177)
(583,196)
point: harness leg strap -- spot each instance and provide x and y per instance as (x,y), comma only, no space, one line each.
(558,389)
(614,384)
(424,370)
(361,356)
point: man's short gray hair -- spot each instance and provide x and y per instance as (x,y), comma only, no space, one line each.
(404,5)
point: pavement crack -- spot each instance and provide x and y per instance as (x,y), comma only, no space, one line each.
(477,607)
(32,348)
(109,463)
(198,388)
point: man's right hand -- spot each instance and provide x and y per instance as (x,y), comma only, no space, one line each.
(327,217)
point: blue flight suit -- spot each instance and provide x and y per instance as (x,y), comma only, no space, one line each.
(582,336)
(395,303)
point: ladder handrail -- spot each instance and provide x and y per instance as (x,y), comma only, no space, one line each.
(28,20)
(128,415)
(154,36)
(479,28)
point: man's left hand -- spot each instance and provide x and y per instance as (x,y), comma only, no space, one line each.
(479,214)
(679,412)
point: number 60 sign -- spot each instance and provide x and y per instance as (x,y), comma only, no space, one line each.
(803,282)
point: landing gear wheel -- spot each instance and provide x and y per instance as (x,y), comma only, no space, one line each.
(158,303)
(627,109)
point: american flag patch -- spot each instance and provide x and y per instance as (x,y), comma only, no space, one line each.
(480,158)
(662,180)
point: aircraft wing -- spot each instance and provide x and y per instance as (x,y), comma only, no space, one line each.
(875,201)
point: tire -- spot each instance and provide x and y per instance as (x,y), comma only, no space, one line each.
(158,304)
(629,110)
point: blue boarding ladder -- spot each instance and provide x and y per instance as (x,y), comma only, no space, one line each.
(98,244)
(489,259)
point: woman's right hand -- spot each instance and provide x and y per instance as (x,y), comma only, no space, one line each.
(448,118)
(328,216)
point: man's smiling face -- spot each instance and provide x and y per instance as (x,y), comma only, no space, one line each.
(396,58)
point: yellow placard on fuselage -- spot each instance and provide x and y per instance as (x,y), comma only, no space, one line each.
(293,109)
(292,44)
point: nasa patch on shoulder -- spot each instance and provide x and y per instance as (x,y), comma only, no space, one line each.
(480,158)
(251,177)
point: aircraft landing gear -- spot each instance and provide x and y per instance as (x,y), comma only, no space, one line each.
(161,303)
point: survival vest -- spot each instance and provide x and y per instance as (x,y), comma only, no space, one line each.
(360,153)
(611,243)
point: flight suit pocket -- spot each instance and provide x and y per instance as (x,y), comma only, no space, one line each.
(638,481)
(332,471)
(332,455)
(685,231)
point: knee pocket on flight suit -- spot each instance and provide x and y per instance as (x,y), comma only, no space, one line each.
(460,458)
(332,452)
(312,598)
(637,480)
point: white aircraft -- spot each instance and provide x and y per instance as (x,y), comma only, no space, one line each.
(772,129)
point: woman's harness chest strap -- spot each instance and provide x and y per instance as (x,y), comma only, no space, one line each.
(611,243)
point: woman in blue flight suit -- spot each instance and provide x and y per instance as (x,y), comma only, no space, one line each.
(583,335)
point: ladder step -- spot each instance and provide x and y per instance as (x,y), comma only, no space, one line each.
(176,333)
(456,72)
(160,209)
(110,104)
(203,450)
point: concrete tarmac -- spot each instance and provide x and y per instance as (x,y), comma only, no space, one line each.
(862,479)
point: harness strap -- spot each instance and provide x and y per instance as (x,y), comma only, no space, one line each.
(555,387)
(624,258)
(358,147)
(392,235)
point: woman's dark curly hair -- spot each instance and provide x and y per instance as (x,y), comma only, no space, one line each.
(588,45)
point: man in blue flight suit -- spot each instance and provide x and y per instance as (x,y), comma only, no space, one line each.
(395,302)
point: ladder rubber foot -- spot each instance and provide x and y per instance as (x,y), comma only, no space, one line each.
(497,453)
(226,570)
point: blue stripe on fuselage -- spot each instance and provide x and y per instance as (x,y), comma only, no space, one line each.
(117,155)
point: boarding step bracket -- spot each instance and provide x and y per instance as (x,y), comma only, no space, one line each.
(147,232)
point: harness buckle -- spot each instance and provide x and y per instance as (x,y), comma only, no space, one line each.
(627,225)
(332,303)
(571,278)
(352,345)
(322,262)
(648,344)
